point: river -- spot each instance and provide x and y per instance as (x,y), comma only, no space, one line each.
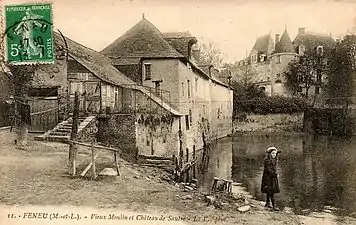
(316,173)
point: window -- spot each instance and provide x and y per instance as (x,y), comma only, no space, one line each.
(301,49)
(187,122)
(320,50)
(190,116)
(147,71)
(182,89)
(278,59)
(262,58)
(188,82)
(254,58)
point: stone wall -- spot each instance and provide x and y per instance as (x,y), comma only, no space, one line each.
(221,111)
(270,122)
(157,134)
(147,134)
(119,131)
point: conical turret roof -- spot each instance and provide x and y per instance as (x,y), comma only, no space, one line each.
(285,44)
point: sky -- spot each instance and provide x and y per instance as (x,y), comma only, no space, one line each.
(232,25)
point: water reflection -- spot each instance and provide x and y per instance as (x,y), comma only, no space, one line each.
(314,171)
(220,162)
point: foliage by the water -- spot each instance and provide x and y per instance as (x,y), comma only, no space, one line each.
(270,105)
(329,121)
(342,67)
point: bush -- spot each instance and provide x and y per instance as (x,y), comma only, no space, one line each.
(270,105)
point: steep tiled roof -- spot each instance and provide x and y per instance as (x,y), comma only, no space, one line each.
(126,61)
(311,41)
(284,44)
(142,40)
(101,66)
(264,44)
(95,62)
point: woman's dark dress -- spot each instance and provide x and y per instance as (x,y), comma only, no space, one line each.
(269,182)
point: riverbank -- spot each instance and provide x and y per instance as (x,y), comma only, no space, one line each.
(36,177)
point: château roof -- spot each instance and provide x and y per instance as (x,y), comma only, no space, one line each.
(312,40)
(285,44)
(264,44)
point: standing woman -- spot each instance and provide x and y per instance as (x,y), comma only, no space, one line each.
(269,184)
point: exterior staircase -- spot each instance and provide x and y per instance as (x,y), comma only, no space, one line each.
(63,130)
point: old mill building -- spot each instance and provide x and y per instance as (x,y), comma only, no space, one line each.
(144,93)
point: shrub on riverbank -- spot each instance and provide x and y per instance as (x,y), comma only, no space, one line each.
(269,105)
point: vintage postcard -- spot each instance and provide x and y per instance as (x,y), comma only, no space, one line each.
(177,112)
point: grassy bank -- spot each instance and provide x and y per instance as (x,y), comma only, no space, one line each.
(36,176)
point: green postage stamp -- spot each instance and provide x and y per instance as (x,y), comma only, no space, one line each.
(29,34)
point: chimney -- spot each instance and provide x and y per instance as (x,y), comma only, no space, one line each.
(301,30)
(196,54)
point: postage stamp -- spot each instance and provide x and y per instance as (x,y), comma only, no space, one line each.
(29,34)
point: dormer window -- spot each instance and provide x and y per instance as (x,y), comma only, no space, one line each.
(147,71)
(262,58)
(189,90)
(320,50)
(301,49)
(254,58)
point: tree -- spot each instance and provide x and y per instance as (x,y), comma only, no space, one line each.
(21,77)
(306,72)
(246,73)
(210,54)
(342,69)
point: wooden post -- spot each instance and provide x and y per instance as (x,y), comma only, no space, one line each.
(187,160)
(73,137)
(85,99)
(194,167)
(101,101)
(93,159)
(116,155)
(180,144)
